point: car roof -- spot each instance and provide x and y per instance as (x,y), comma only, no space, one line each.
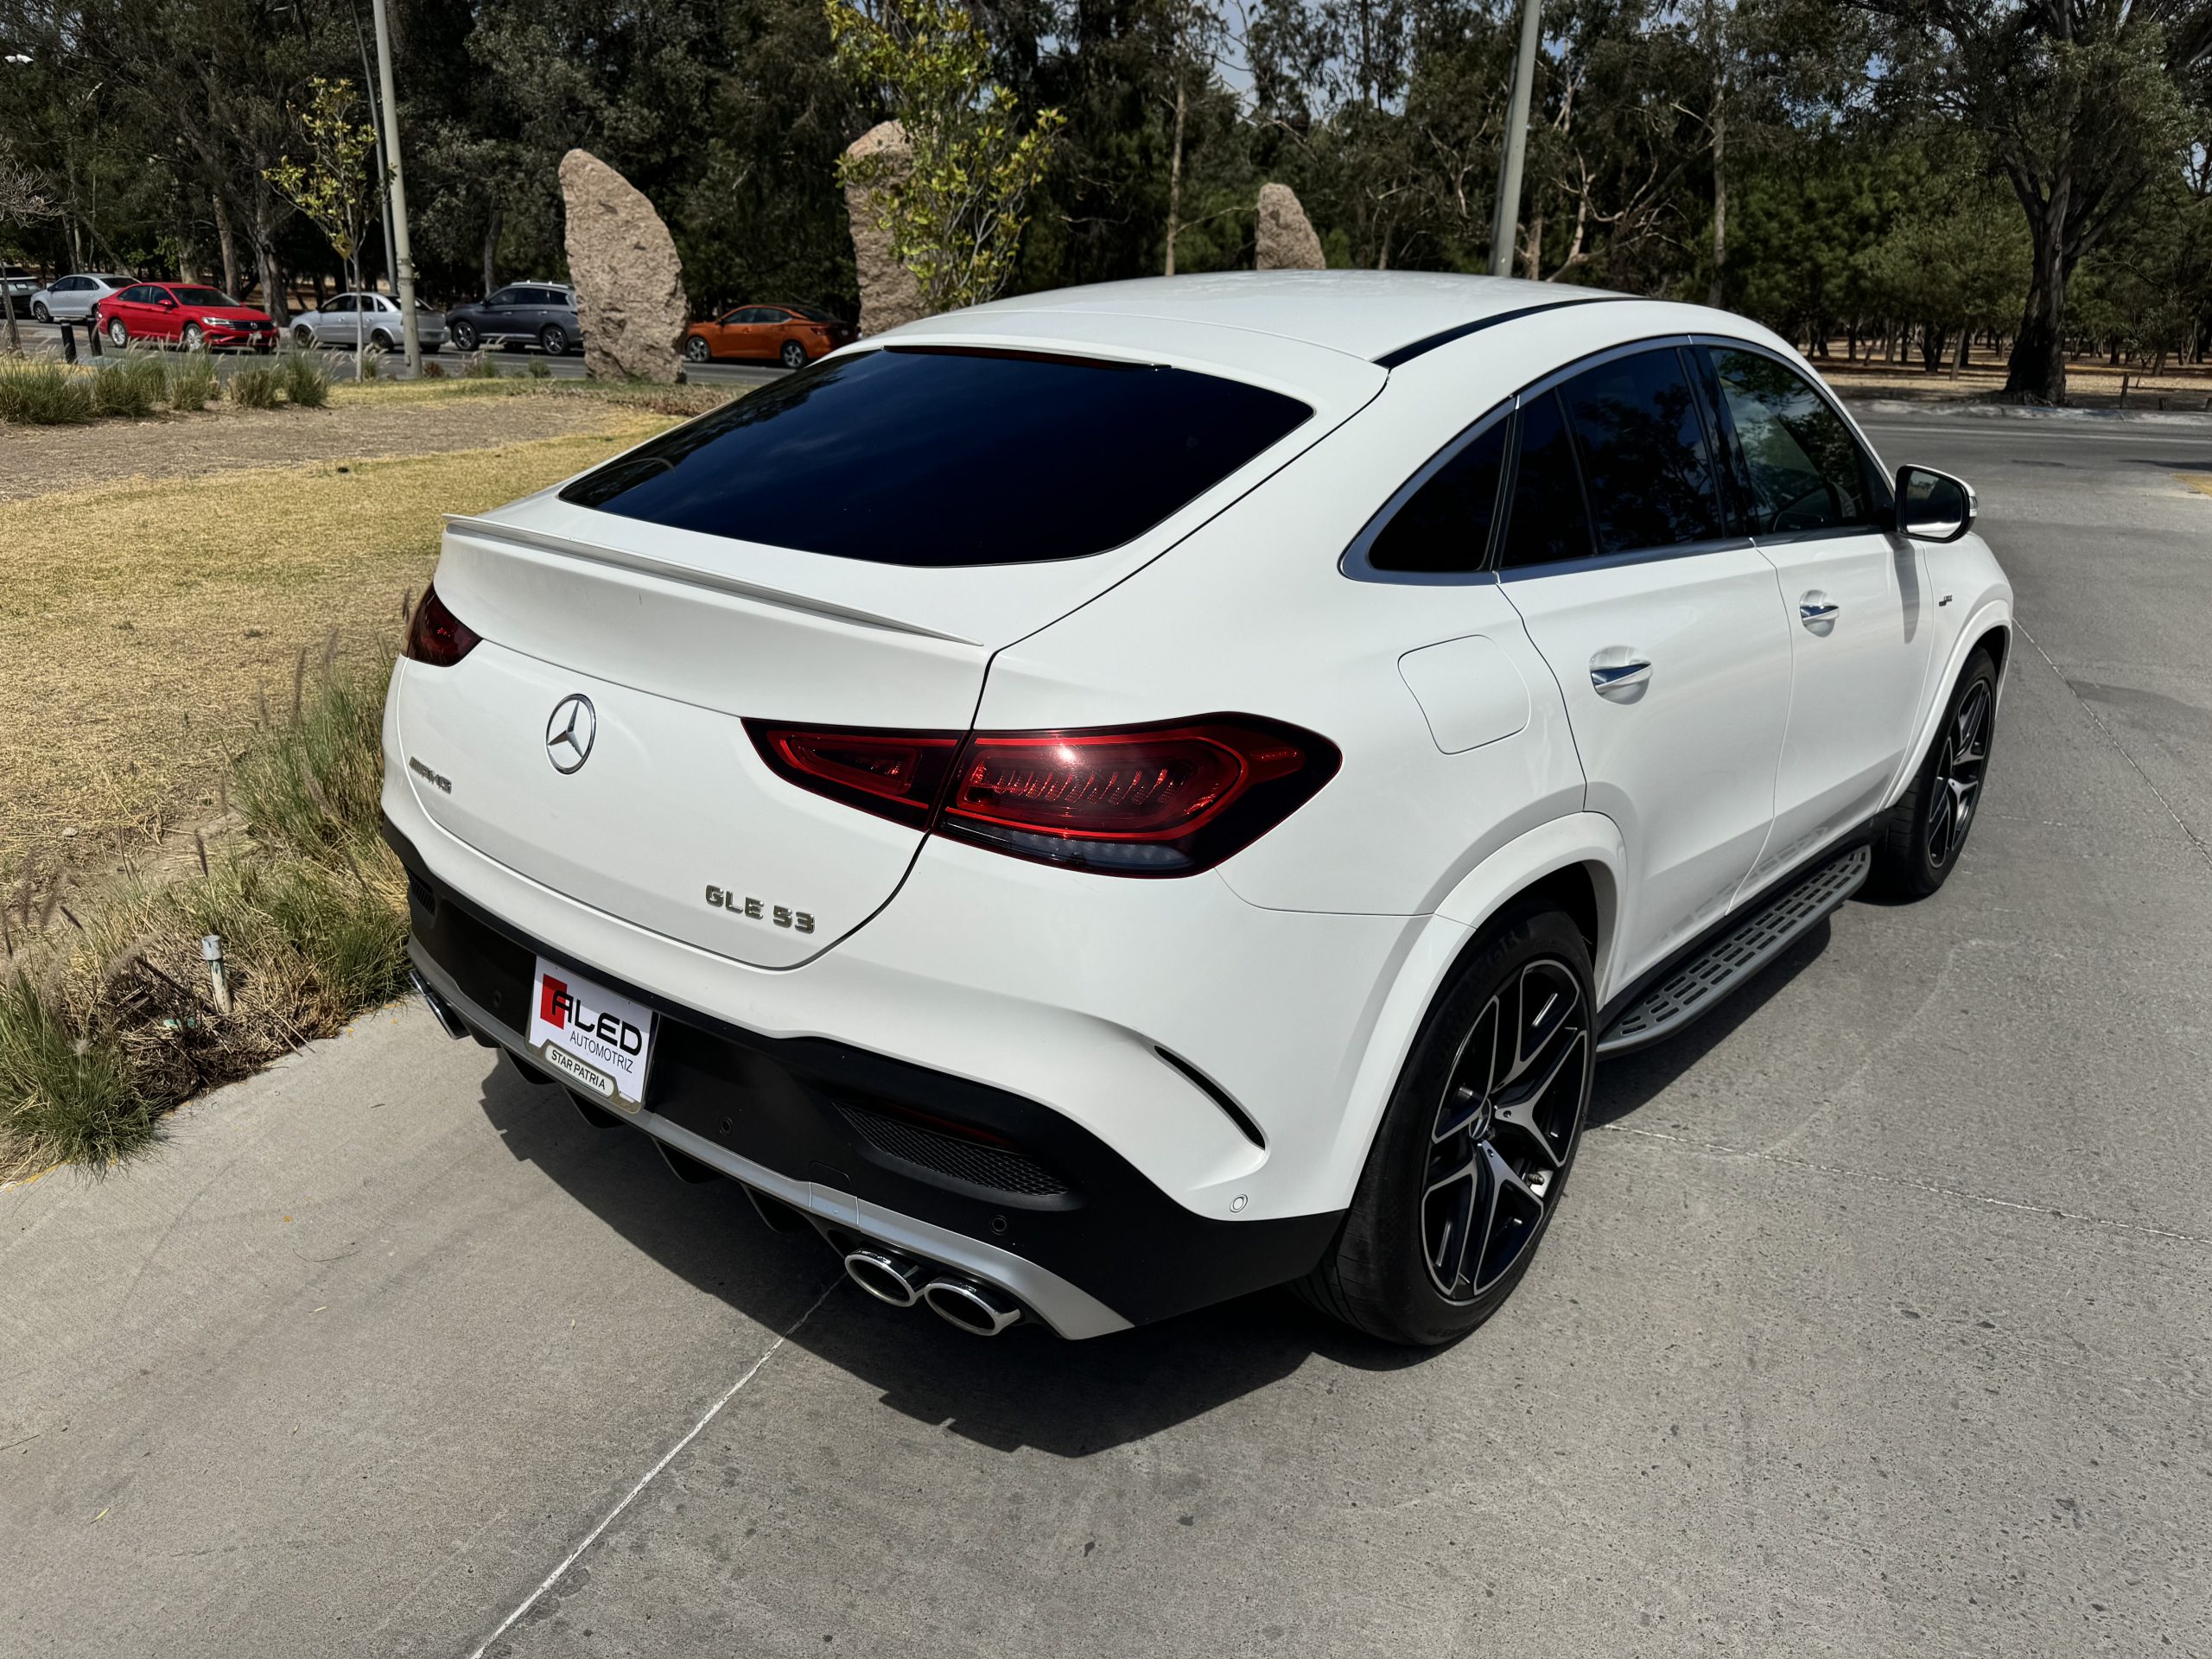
(1365,314)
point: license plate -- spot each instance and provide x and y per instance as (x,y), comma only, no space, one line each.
(586,1035)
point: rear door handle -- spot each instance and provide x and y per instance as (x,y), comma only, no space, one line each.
(1619,677)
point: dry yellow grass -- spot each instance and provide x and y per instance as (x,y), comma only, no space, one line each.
(142,623)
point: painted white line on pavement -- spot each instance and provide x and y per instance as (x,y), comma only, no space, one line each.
(647,1479)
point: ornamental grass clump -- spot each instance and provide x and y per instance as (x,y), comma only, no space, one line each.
(130,385)
(306,382)
(36,392)
(255,387)
(107,1014)
(192,384)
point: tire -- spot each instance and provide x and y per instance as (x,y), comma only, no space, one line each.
(1921,841)
(381,341)
(553,339)
(794,354)
(695,350)
(38,313)
(193,338)
(1480,1133)
(117,334)
(463,336)
(303,337)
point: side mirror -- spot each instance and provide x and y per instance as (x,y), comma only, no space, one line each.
(1934,507)
(167,304)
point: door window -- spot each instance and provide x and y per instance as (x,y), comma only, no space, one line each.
(1444,526)
(342,306)
(1645,453)
(1548,520)
(1807,472)
(141,294)
(507,297)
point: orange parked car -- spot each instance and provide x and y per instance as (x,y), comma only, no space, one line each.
(793,335)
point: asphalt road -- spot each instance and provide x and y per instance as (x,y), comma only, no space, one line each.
(40,337)
(1875,1323)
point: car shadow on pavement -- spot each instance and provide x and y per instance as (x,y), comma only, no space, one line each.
(1630,1082)
(1025,1388)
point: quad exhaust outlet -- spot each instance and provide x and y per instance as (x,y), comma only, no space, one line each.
(894,1277)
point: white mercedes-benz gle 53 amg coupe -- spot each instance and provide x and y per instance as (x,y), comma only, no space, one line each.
(1117,798)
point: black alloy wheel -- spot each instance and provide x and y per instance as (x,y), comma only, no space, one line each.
(464,336)
(1505,1125)
(1472,1154)
(1920,842)
(794,354)
(554,339)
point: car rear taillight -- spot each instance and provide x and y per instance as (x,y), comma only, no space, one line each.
(435,635)
(1168,799)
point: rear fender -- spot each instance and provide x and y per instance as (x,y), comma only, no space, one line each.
(1586,839)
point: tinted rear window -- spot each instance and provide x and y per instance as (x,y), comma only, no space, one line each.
(935,457)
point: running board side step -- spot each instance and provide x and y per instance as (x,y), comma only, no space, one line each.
(1699,984)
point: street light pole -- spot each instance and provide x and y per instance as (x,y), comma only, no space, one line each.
(1506,224)
(406,271)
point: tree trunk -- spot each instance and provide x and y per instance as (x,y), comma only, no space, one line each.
(229,241)
(1717,288)
(1175,177)
(1932,341)
(492,247)
(1532,252)
(2037,373)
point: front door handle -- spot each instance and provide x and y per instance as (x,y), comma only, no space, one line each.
(1619,677)
(1816,608)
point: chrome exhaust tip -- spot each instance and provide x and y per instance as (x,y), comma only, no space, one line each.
(886,1275)
(977,1309)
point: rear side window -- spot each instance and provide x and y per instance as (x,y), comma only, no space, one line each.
(1807,473)
(1645,453)
(940,456)
(1444,526)
(1548,522)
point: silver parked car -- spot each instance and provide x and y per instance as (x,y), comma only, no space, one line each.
(70,299)
(365,320)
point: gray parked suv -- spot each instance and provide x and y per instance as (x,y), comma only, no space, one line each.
(522,314)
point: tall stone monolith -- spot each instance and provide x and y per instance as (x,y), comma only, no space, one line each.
(1285,239)
(889,295)
(629,282)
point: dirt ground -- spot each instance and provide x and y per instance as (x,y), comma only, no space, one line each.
(149,619)
(2088,384)
(358,423)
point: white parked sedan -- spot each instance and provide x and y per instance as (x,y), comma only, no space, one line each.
(70,299)
(370,319)
(1113,799)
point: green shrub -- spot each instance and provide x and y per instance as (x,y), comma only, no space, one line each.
(36,392)
(312,782)
(129,385)
(539,369)
(479,366)
(254,387)
(192,381)
(306,381)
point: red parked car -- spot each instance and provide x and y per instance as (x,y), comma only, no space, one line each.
(182,313)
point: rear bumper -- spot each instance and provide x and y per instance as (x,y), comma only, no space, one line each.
(959,1172)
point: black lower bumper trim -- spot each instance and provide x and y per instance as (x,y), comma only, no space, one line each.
(814,1109)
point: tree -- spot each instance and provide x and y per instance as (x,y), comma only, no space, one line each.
(2083,104)
(336,187)
(22,202)
(953,210)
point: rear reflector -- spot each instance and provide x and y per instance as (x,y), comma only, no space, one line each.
(1168,799)
(435,635)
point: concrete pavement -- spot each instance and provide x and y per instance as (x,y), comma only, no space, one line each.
(1874,1323)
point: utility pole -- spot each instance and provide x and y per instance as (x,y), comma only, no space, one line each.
(406,260)
(1505,225)
(383,166)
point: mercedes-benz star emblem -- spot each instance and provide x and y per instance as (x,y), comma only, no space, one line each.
(568,735)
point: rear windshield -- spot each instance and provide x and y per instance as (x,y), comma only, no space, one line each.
(948,457)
